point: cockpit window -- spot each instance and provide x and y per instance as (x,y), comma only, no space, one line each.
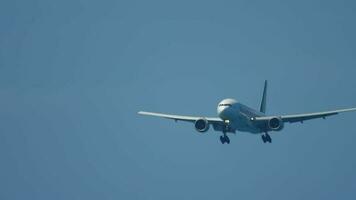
(225,104)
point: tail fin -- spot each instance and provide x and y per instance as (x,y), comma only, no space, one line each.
(263,102)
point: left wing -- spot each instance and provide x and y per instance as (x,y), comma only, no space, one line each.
(218,124)
(304,117)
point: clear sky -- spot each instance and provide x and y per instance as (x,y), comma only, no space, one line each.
(73,75)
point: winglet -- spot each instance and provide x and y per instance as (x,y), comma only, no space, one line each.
(263,102)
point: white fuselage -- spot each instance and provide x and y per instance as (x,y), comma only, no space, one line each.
(238,115)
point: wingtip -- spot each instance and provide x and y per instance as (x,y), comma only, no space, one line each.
(141,112)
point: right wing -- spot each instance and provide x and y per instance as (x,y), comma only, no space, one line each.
(307,116)
(168,116)
(218,124)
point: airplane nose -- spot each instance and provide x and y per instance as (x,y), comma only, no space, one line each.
(222,112)
(220,109)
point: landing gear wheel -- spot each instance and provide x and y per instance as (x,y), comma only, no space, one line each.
(264,139)
(222,139)
(268,138)
(227,139)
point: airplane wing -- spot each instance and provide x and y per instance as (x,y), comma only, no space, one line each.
(304,117)
(218,124)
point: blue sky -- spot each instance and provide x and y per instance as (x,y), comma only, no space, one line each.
(73,75)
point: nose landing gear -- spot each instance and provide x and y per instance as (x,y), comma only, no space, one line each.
(224,139)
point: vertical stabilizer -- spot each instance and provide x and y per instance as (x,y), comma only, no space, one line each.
(263,102)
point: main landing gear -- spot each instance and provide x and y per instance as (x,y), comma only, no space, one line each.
(224,139)
(266,138)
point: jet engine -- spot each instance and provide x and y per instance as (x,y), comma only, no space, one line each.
(201,125)
(275,124)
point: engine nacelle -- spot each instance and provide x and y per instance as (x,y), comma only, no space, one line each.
(201,125)
(275,124)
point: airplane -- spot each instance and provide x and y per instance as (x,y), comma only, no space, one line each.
(235,116)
